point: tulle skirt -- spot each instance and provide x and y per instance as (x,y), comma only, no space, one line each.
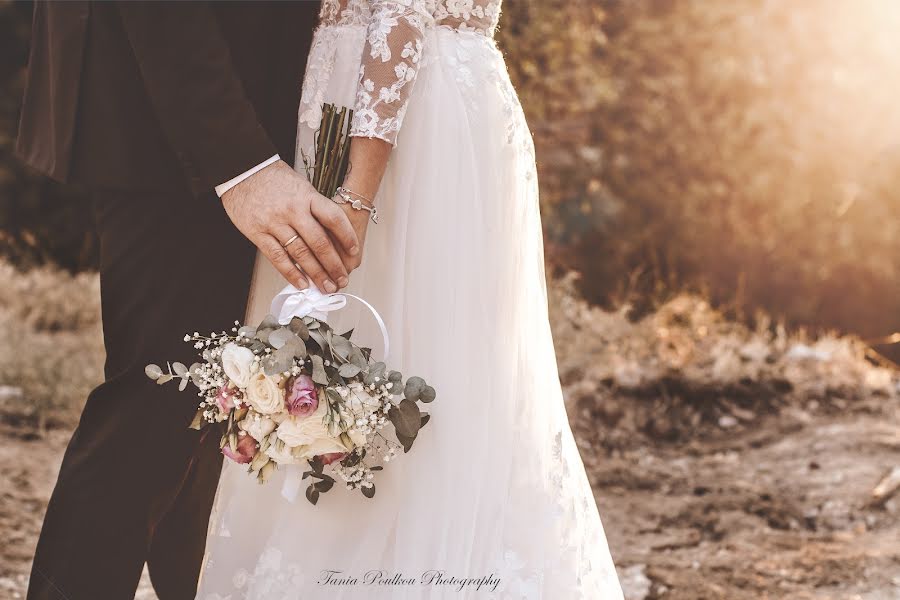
(493,500)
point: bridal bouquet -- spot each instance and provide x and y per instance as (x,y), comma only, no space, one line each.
(291,390)
(301,392)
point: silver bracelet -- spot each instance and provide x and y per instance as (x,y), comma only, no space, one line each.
(356,202)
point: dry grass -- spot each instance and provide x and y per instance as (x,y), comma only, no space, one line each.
(53,353)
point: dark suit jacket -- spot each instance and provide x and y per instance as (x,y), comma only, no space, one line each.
(156,95)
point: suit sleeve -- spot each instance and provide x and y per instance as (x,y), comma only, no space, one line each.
(194,90)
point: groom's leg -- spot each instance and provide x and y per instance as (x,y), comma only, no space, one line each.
(179,538)
(170,264)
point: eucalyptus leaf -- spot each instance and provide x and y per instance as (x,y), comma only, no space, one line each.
(376,370)
(316,464)
(319,338)
(299,328)
(247,331)
(179,369)
(341,346)
(269,322)
(280,336)
(318,370)
(268,325)
(324,485)
(368,492)
(414,387)
(278,362)
(348,370)
(295,346)
(425,418)
(312,494)
(153,371)
(428,394)
(357,358)
(164,378)
(407,442)
(183,385)
(406,417)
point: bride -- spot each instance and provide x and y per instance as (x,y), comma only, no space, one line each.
(493,501)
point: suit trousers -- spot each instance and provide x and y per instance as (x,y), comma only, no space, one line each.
(137,484)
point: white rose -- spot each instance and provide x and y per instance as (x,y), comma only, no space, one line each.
(257,427)
(264,395)
(237,362)
(360,401)
(310,432)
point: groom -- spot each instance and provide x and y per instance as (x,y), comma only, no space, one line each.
(157,108)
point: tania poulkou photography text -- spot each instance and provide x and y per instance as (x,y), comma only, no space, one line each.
(584,300)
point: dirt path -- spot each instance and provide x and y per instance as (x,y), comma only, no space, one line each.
(776,512)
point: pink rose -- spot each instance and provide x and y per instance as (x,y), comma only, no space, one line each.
(300,396)
(246,450)
(331,457)
(225,398)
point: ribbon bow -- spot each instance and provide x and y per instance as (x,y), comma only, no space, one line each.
(311,302)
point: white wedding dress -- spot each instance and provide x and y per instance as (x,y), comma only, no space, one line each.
(494,485)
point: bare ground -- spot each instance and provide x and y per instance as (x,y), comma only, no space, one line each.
(778,510)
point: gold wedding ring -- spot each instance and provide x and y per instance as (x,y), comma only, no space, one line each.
(293,239)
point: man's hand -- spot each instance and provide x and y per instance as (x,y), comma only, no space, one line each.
(272,206)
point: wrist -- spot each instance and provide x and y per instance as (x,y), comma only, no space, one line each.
(360,187)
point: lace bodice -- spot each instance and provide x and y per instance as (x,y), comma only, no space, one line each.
(393,50)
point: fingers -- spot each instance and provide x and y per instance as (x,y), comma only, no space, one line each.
(316,255)
(335,220)
(282,261)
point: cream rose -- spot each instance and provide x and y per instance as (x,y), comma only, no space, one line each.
(237,362)
(258,427)
(284,457)
(264,395)
(309,432)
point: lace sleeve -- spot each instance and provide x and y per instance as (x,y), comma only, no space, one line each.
(390,61)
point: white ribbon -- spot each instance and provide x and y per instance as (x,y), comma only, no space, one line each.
(311,302)
(291,302)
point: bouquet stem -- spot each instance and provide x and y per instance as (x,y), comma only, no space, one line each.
(332,159)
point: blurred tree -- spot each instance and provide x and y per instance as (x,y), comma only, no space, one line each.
(745,148)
